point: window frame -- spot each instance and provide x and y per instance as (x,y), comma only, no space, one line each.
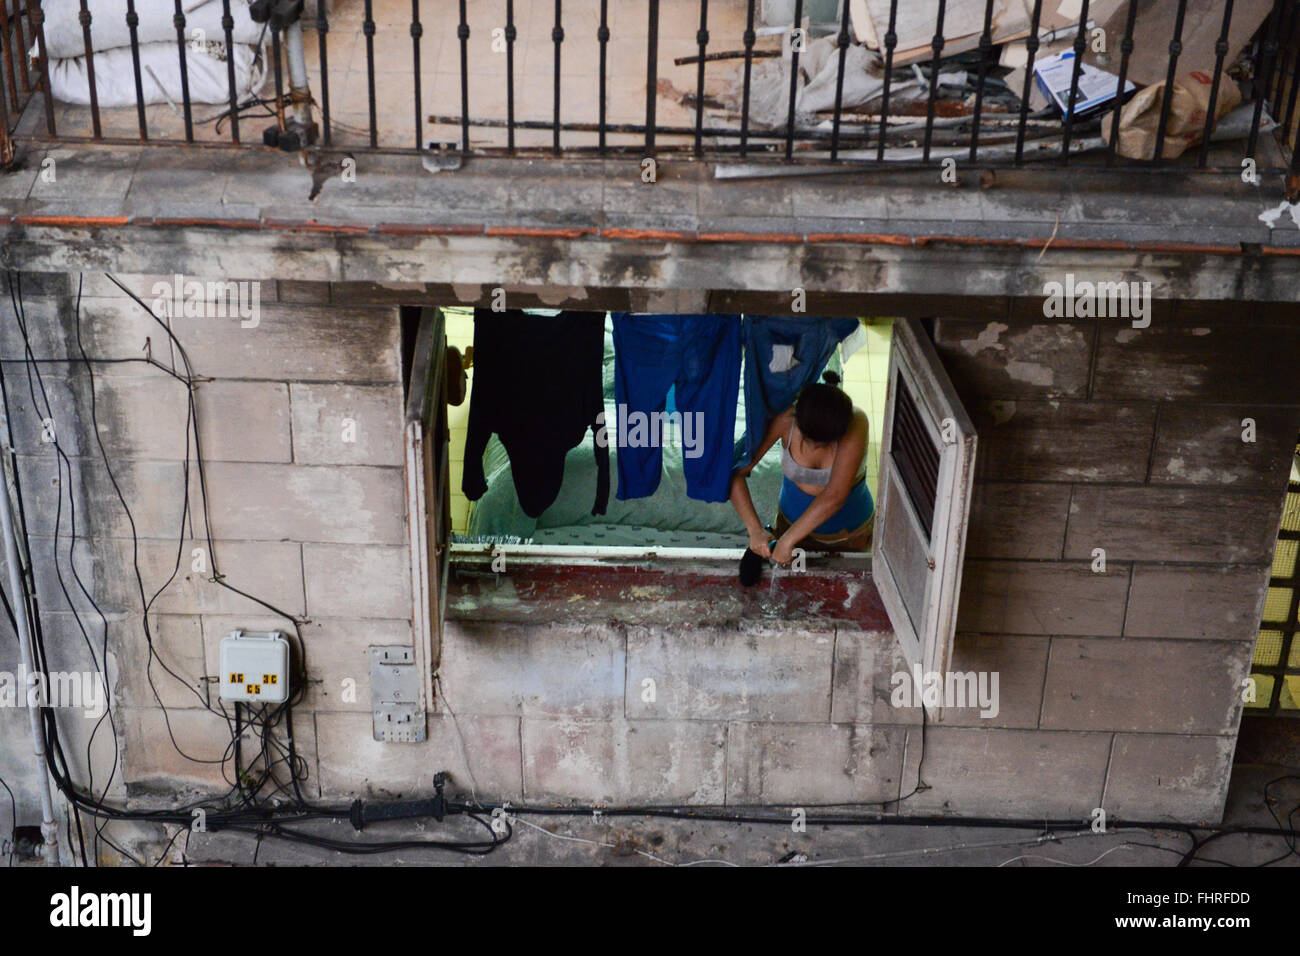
(914,360)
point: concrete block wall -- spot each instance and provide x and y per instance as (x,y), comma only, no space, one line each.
(300,518)
(1117,689)
(750,714)
(1097,435)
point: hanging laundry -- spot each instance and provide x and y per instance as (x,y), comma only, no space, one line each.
(537,385)
(782,355)
(698,358)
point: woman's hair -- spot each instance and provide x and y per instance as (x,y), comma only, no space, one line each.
(824,412)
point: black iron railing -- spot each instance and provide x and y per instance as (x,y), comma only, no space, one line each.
(883,130)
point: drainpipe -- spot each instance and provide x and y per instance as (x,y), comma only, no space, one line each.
(49,829)
(298,131)
(299,94)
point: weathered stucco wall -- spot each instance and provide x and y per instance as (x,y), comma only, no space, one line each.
(1117,689)
(1097,435)
(302,519)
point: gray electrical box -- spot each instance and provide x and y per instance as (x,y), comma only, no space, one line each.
(255,667)
(395,685)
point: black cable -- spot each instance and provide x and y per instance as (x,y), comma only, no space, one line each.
(264,820)
(14,831)
(273,753)
(53,747)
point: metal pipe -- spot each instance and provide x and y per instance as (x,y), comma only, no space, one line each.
(299,94)
(49,829)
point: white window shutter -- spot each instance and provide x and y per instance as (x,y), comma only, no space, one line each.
(927,463)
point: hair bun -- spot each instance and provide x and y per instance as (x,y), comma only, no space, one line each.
(830,378)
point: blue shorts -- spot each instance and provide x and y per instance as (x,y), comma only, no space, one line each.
(699,357)
(857,509)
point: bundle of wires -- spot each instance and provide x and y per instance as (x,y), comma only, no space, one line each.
(265,791)
(265,796)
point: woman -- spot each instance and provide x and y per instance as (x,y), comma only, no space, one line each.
(825,504)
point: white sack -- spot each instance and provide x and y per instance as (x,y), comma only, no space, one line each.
(819,68)
(159,63)
(108,29)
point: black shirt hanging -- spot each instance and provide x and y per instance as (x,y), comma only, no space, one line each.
(538,386)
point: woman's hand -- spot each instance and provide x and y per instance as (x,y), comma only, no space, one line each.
(783,553)
(758,544)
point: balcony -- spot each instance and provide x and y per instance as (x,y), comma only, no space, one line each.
(859,177)
(584,77)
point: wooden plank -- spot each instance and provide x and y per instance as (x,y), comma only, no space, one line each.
(1018,520)
(1218,604)
(1064,440)
(1039,597)
(1205,445)
(996,359)
(1173,524)
(1214,361)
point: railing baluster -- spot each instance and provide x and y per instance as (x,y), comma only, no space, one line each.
(1221,49)
(37,17)
(986,47)
(417,31)
(842,41)
(228,27)
(179,21)
(511,33)
(797,29)
(1263,79)
(557,35)
(1166,104)
(85,19)
(1031,44)
(1293,46)
(701,38)
(602,36)
(22,44)
(936,45)
(1284,60)
(750,37)
(462,32)
(368,28)
(322,31)
(6,146)
(891,41)
(1080,44)
(651,76)
(1126,51)
(7,29)
(133,25)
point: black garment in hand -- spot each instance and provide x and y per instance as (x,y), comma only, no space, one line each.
(751,568)
(537,385)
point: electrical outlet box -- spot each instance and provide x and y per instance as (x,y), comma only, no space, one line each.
(395,694)
(255,667)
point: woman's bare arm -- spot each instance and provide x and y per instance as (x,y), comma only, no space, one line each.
(844,473)
(740,497)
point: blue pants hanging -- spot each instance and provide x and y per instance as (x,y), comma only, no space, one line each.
(698,357)
(768,393)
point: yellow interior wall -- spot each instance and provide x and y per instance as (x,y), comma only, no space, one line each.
(1277,604)
(865,376)
(460,333)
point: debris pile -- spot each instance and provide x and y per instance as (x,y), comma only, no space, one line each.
(1212,73)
